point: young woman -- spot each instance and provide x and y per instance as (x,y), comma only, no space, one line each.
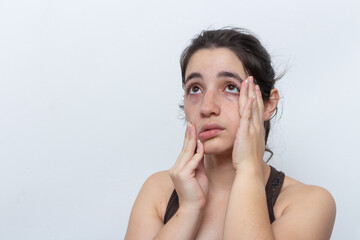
(220,187)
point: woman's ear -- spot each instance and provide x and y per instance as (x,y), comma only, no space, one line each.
(271,104)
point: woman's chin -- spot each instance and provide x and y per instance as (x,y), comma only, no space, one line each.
(215,147)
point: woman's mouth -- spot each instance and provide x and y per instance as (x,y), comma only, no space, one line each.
(210,130)
(209,134)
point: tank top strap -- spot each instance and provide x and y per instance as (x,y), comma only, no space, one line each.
(172,207)
(272,189)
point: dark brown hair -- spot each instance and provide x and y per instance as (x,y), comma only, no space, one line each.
(254,57)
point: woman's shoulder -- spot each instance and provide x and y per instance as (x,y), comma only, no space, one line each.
(161,181)
(146,210)
(296,194)
(160,188)
(296,189)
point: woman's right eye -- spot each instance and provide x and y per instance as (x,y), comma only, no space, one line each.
(193,89)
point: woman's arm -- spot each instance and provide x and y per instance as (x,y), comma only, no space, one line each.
(310,213)
(191,184)
(183,225)
(145,222)
(247,215)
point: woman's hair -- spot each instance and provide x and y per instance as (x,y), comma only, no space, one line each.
(254,57)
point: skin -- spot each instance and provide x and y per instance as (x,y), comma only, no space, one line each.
(221,181)
(222,105)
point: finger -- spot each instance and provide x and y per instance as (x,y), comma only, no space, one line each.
(254,110)
(185,145)
(243,95)
(260,103)
(187,136)
(245,119)
(189,147)
(197,158)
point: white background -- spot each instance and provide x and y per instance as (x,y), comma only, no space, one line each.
(89,94)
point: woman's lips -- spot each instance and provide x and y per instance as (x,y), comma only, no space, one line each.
(209,134)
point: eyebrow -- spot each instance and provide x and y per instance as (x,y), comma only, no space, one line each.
(230,74)
(220,74)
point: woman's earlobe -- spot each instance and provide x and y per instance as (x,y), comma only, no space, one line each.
(271,104)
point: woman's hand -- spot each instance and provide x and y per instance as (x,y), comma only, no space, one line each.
(249,144)
(188,173)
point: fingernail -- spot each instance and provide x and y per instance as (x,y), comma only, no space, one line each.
(246,83)
(257,87)
(198,143)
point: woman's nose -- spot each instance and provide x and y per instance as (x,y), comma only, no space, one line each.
(209,104)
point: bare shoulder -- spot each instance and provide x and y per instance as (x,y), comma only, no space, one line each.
(294,191)
(304,206)
(160,188)
(149,207)
(160,180)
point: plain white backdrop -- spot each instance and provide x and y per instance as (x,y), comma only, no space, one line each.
(89,94)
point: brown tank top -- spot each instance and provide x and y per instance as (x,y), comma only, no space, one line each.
(272,189)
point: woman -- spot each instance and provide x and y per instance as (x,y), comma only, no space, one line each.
(220,187)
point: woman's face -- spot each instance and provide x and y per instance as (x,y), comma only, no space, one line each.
(212,85)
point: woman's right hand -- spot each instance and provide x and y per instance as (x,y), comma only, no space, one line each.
(188,174)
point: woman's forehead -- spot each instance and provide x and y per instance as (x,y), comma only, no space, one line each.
(214,61)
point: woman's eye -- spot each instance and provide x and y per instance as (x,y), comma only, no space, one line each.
(232,88)
(194,89)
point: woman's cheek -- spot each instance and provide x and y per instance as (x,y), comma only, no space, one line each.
(191,101)
(234,98)
(189,110)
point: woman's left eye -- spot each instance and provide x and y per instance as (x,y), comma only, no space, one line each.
(232,88)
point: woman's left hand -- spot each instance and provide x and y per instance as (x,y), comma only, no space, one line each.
(249,144)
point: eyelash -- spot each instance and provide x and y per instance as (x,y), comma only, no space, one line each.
(227,84)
